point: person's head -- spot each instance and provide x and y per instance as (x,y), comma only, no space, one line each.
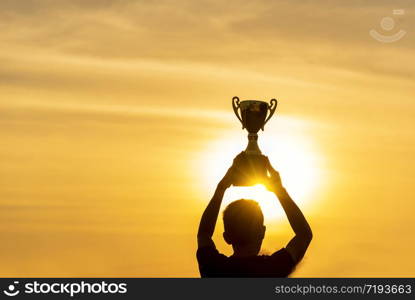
(244,224)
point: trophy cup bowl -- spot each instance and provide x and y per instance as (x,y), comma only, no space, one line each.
(253,116)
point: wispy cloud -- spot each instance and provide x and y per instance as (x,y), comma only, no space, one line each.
(103,104)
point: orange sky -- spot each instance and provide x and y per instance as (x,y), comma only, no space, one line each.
(114,114)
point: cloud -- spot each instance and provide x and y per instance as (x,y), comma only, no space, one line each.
(263,32)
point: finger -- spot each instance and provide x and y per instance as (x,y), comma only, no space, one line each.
(239,156)
(237,160)
(231,170)
(268,184)
(269,166)
(267,162)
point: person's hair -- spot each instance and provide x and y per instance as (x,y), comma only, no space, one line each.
(243,221)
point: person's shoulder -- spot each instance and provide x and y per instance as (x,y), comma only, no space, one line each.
(279,263)
(279,253)
(282,254)
(284,260)
(211,262)
(208,248)
(209,251)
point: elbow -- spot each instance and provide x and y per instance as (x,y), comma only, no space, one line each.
(307,236)
(310,236)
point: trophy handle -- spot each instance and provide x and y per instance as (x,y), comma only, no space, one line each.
(235,105)
(272,107)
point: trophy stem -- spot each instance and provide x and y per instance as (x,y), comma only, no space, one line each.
(252,147)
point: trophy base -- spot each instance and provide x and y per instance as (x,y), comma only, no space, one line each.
(251,170)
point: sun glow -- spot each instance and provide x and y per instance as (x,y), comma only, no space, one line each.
(293,156)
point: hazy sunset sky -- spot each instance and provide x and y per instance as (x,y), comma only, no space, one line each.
(116,125)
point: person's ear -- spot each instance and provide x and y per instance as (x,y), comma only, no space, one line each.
(226,238)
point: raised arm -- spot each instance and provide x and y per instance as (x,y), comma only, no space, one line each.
(303,234)
(210,215)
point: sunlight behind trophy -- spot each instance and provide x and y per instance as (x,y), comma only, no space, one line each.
(253,116)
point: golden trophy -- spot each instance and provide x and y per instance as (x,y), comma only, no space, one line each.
(253,116)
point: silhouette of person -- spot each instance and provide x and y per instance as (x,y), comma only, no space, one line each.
(244,230)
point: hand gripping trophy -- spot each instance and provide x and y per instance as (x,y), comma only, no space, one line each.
(253,116)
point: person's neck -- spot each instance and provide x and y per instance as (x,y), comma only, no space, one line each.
(245,250)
